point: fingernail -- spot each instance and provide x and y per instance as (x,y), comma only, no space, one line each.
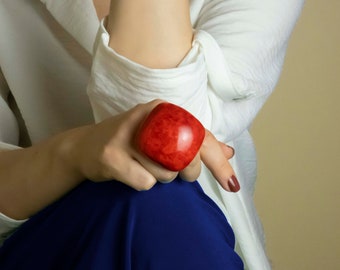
(233,184)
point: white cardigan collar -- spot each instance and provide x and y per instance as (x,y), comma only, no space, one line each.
(78,17)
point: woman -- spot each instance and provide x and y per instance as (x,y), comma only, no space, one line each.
(232,67)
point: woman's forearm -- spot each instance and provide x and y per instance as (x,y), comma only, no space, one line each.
(154,33)
(34,177)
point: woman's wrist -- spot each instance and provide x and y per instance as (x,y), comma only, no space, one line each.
(69,153)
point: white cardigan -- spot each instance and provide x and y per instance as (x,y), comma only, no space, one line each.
(46,56)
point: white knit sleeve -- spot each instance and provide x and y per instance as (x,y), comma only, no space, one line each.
(250,37)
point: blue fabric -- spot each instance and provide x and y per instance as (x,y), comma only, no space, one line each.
(111,226)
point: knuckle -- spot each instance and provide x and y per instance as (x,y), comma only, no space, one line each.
(107,155)
(191,175)
(146,184)
(223,170)
(167,176)
(208,138)
(194,164)
(156,101)
(110,162)
(135,114)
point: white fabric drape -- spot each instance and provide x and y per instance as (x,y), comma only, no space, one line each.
(234,64)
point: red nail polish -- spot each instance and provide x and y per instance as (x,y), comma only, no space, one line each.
(233,184)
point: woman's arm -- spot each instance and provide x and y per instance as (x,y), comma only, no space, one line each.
(154,33)
(33,177)
(158,34)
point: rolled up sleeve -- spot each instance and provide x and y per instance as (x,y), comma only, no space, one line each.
(250,38)
(117,83)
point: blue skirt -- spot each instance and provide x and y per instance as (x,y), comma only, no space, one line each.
(102,226)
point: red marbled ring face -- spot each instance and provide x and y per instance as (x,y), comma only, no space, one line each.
(170,136)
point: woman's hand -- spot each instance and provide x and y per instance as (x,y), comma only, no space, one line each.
(34,177)
(215,155)
(107,151)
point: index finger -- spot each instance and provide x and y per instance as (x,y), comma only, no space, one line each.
(215,160)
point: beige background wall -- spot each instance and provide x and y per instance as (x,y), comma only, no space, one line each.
(297,135)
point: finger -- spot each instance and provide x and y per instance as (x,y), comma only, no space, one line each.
(136,176)
(228,151)
(138,114)
(134,117)
(140,111)
(193,170)
(156,170)
(214,158)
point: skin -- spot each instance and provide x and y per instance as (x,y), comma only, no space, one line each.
(34,177)
(154,33)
